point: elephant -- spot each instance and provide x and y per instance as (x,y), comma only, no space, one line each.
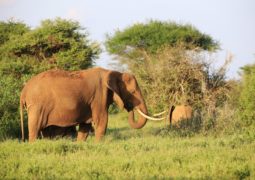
(69,98)
(179,113)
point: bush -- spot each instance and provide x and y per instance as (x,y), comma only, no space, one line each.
(247,96)
(9,107)
(55,43)
(10,29)
(175,77)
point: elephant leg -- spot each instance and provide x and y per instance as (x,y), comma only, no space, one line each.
(101,128)
(83,131)
(33,123)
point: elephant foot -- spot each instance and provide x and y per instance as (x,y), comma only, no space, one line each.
(82,136)
(84,130)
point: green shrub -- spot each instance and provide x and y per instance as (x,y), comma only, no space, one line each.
(9,107)
(57,43)
(10,29)
(246,100)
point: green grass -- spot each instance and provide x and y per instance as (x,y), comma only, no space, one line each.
(149,153)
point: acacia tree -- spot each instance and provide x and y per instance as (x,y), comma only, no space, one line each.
(135,43)
(162,46)
(154,35)
(168,61)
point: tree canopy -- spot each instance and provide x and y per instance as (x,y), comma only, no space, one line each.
(55,43)
(11,28)
(154,35)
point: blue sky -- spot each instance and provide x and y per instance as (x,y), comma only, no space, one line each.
(231,22)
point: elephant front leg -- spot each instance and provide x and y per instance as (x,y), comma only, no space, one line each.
(99,133)
(83,131)
(100,125)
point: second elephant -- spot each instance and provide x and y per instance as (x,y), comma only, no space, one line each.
(179,113)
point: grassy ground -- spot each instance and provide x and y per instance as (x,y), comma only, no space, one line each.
(149,153)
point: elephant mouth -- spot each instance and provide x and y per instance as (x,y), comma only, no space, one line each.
(129,106)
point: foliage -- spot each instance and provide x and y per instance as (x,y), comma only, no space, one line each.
(173,67)
(55,43)
(10,29)
(154,35)
(176,77)
(131,154)
(247,95)
(9,116)
(24,52)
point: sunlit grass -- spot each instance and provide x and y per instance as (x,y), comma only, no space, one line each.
(131,154)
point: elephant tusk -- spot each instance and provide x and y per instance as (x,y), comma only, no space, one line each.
(148,117)
(158,114)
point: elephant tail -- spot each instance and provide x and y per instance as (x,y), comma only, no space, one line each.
(22,119)
(171,113)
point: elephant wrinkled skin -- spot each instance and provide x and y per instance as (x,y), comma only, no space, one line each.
(70,98)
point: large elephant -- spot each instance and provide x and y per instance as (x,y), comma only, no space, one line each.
(69,98)
(179,113)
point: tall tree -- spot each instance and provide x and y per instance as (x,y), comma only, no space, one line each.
(167,59)
(154,35)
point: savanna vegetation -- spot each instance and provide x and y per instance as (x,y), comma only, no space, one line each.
(173,65)
(150,153)
(25,52)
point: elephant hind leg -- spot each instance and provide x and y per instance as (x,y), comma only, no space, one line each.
(83,131)
(34,123)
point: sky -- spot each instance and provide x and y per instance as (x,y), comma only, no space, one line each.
(231,22)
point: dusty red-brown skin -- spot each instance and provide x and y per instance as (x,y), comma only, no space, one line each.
(65,99)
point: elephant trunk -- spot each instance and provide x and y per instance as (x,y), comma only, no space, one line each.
(141,121)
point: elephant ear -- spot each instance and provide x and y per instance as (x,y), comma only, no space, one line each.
(113,83)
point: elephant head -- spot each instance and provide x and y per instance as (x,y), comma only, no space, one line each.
(127,94)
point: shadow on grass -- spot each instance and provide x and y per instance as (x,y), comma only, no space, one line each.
(184,128)
(118,133)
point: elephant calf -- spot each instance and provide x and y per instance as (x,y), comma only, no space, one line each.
(56,131)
